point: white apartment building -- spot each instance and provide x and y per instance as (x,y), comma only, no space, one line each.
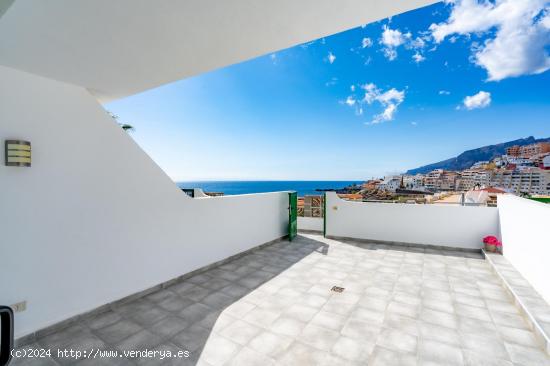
(430,182)
(390,184)
(538,160)
(441,180)
(519,161)
(482,178)
(471,178)
(413,181)
(529,180)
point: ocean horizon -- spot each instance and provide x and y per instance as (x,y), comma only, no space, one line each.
(247,187)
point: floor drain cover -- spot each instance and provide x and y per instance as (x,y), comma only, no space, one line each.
(337,289)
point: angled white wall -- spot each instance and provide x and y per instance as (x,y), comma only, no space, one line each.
(95,219)
(441,225)
(525,234)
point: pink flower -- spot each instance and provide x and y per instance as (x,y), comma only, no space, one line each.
(490,240)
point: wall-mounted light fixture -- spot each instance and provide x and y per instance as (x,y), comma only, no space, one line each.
(18,153)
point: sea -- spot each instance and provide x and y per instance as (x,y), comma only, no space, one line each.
(245,187)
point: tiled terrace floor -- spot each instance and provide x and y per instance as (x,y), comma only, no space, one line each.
(400,306)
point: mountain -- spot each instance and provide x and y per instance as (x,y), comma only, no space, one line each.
(468,158)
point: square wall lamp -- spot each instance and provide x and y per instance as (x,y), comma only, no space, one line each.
(18,153)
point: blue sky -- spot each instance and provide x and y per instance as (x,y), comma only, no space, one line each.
(375,100)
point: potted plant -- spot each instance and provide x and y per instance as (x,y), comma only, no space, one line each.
(492,244)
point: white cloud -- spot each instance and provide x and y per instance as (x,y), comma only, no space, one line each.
(352,88)
(518,44)
(331,58)
(386,115)
(391,39)
(390,53)
(479,100)
(371,92)
(367,42)
(444,92)
(414,123)
(390,100)
(350,101)
(391,96)
(418,58)
(417,43)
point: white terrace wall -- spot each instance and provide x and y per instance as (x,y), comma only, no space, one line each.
(310,223)
(441,225)
(95,219)
(525,233)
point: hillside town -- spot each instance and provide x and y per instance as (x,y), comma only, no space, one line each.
(523,170)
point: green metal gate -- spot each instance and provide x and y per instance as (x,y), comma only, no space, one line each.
(292,215)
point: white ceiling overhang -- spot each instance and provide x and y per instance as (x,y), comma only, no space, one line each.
(116,48)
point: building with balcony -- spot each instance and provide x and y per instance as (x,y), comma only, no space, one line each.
(441,180)
(538,160)
(390,184)
(102,252)
(518,161)
(528,151)
(430,180)
(526,181)
(413,181)
(472,178)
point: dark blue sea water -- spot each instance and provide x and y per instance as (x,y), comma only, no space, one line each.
(244,187)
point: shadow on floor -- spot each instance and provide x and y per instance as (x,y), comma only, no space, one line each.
(180,317)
